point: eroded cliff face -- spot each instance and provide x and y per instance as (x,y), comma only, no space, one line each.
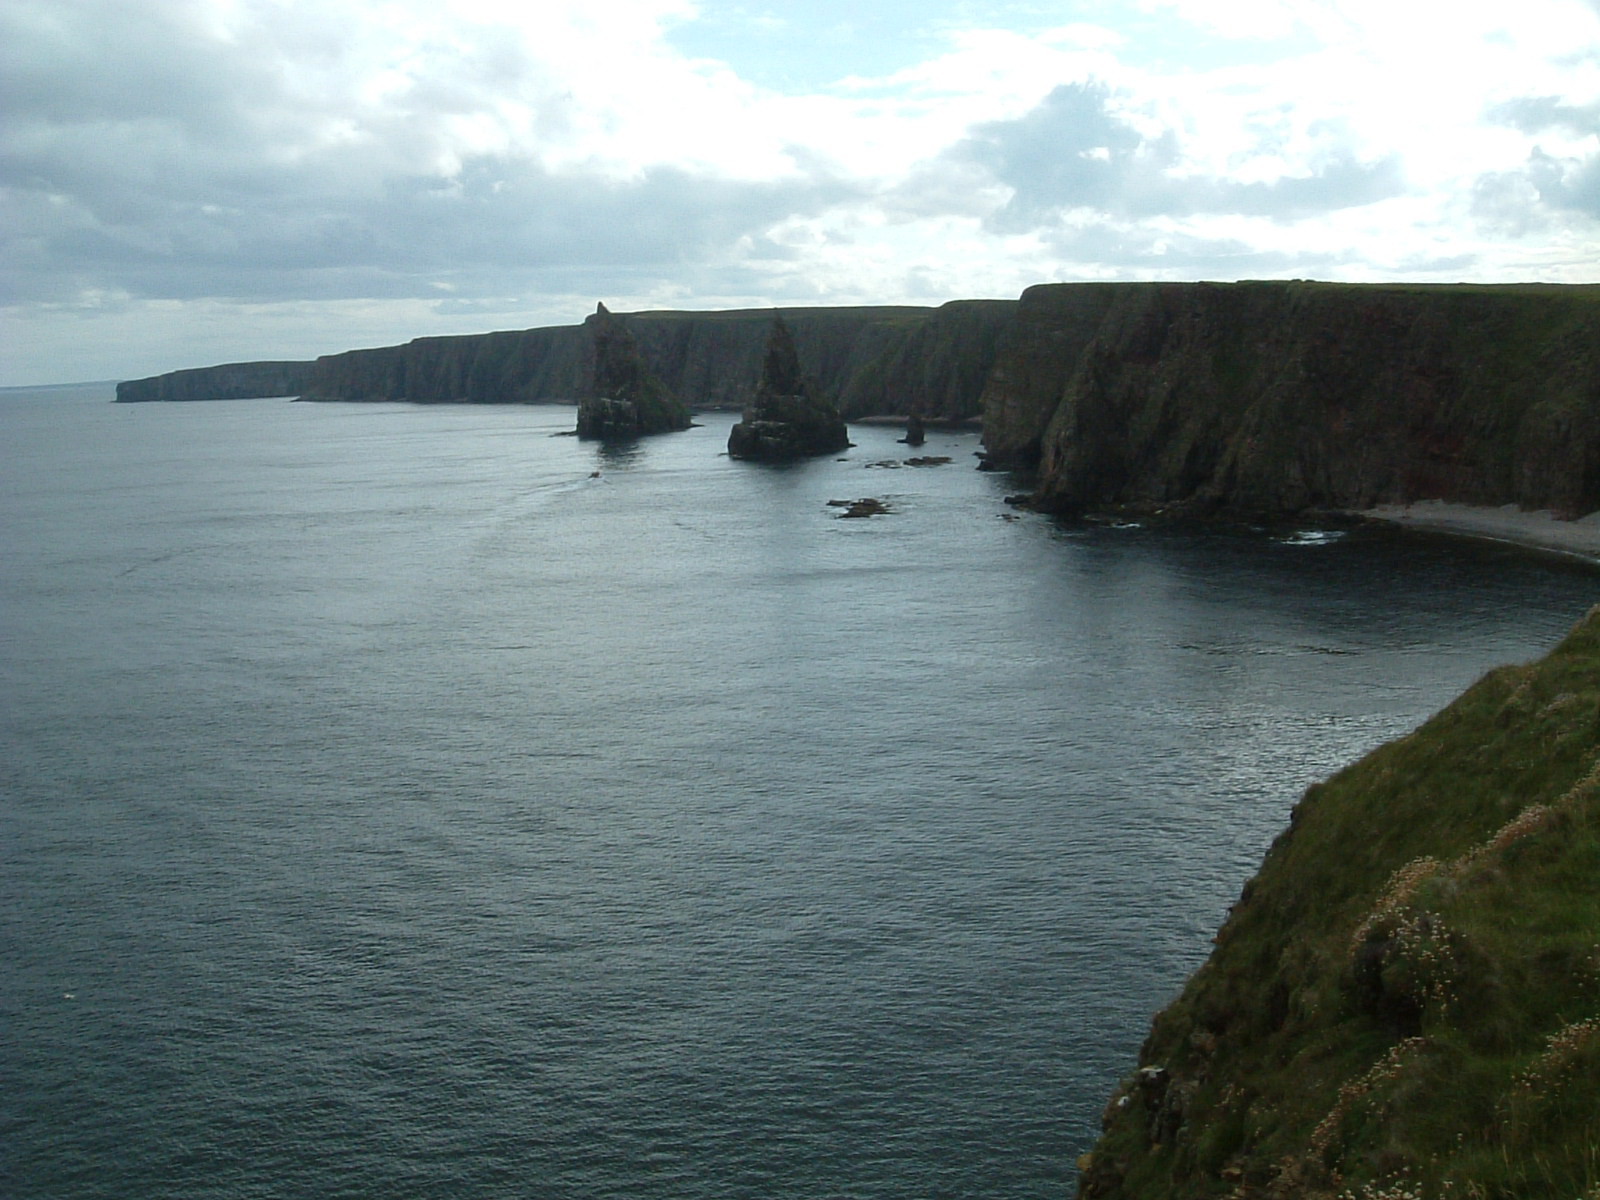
(868,361)
(231,381)
(1278,397)
(512,367)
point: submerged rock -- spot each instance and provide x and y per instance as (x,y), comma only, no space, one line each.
(786,419)
(867,506)
(625,399)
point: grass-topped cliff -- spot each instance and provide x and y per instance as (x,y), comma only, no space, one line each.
(1405,1002)
(869,361)
(1282,396)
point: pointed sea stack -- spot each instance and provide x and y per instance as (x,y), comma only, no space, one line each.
(786,419)
(625,398)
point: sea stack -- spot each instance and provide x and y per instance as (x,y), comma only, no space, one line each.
(625,399)
(787,418)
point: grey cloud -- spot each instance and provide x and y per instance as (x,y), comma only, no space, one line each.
(1523,200)
(1527,201)
(1342,183)
(1069,152)
(1133,248)
(1074,151)
(1539,114)
(69,62)
(145,157)
(494,227)
(1570,184)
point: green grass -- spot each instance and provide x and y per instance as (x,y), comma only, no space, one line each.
(1407,997)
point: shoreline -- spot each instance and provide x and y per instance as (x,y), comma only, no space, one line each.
(1538,530)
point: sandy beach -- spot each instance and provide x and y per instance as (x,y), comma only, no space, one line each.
(1541,528)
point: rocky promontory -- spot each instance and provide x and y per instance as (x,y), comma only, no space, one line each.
(625,398)
(786,419)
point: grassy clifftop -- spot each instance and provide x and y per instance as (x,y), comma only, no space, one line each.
(1405,1002)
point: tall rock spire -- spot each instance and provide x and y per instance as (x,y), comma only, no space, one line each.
(786,418)
(624,398)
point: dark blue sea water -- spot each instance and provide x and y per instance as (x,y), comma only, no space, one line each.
(390,808)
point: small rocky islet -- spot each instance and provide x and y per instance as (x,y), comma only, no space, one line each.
(787,418)
(625,397)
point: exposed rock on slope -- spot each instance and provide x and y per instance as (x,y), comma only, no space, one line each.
(232,381)
(1405,1001)
(786,419)
(1278,397)
(625,399)
(1054,326)
(511,367)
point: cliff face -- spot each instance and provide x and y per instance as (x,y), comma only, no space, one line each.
(891,361)
(232,381)
(1276,397)
(1405,1001)
(512,367)
(1054,326)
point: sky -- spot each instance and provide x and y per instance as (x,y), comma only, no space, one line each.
(185,182)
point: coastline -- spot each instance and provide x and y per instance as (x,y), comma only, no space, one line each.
(1539,529)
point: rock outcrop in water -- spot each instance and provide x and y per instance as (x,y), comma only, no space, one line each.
(1279,397)
(625,398)
(231,381)
(786,419)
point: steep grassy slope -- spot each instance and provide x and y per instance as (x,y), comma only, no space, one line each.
(1277,397)
(1405,1002)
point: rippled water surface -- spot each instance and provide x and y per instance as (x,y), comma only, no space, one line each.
(391,807)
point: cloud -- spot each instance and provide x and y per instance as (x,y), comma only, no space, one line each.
(1565,179)
(1540,114)
(497,222)
(1074,150)
(196,149)
(1572,184)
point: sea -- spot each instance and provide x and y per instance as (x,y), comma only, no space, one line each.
(416,801)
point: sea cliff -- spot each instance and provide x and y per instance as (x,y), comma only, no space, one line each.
(872,361)
(1281,397)
(231,381)
(1405,1001)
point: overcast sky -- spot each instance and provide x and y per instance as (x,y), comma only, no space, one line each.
(197,181)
